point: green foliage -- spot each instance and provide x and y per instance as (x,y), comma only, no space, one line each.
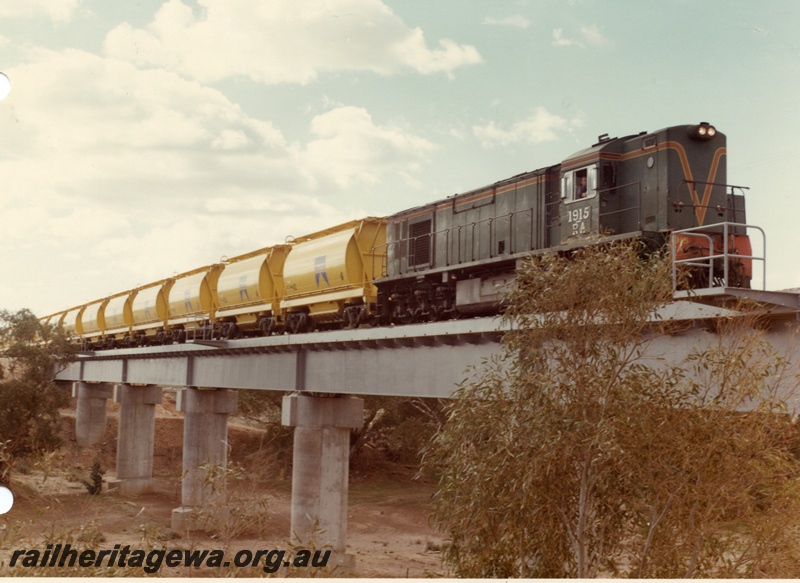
(573,454)
(94,485)
(397,427)
(29,400)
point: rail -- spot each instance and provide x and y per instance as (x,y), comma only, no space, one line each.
(714,257)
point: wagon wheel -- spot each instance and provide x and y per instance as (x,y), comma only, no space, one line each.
(235,332)
(309,324)
(230,331)
(352,316)
(293,323)
(266,326)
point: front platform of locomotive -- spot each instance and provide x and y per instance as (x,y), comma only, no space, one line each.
(704,215)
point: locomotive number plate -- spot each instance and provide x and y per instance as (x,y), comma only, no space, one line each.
(579,220)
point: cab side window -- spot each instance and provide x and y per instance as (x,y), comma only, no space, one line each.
(580,184)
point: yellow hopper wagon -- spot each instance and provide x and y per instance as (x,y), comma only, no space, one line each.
(329,276)
(250,290)
(93,325)
(192,305)
(150,312)
(118,320)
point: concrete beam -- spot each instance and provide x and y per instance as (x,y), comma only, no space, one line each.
(135,437)
(205,445)
(90,411)
(320,467)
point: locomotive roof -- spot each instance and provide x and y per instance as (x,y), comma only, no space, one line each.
(604,143)
(499,183)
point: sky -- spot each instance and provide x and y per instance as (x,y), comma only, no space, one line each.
(145,138)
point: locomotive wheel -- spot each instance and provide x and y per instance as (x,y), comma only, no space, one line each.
(436,313)
(407,316)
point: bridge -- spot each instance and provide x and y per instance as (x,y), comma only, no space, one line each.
(325,372)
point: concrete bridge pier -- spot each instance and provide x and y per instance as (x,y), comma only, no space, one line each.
(90,411)
(205,443)
(135,437)
(320,468)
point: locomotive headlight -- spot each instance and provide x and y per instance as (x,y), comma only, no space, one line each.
(702,131)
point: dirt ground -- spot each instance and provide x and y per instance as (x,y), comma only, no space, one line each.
(388,531)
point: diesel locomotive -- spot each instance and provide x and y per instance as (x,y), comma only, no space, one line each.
(453,256)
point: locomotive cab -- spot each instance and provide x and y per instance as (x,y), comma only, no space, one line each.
(591,204)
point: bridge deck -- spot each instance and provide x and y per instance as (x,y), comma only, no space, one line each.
(422,360)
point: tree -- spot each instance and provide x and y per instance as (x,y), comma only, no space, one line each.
(29,399)
(573,454)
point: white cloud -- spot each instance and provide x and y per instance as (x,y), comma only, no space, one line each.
(56,10)
(114,176)
(560,41)
(283,41)
(350,147)
(542,126)
(590,35)
(593,36)
(514,21)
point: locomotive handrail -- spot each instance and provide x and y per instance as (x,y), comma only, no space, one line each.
(463,254)
(637,207)
(709,260)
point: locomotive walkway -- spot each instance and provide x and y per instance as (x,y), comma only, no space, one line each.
(325,372)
